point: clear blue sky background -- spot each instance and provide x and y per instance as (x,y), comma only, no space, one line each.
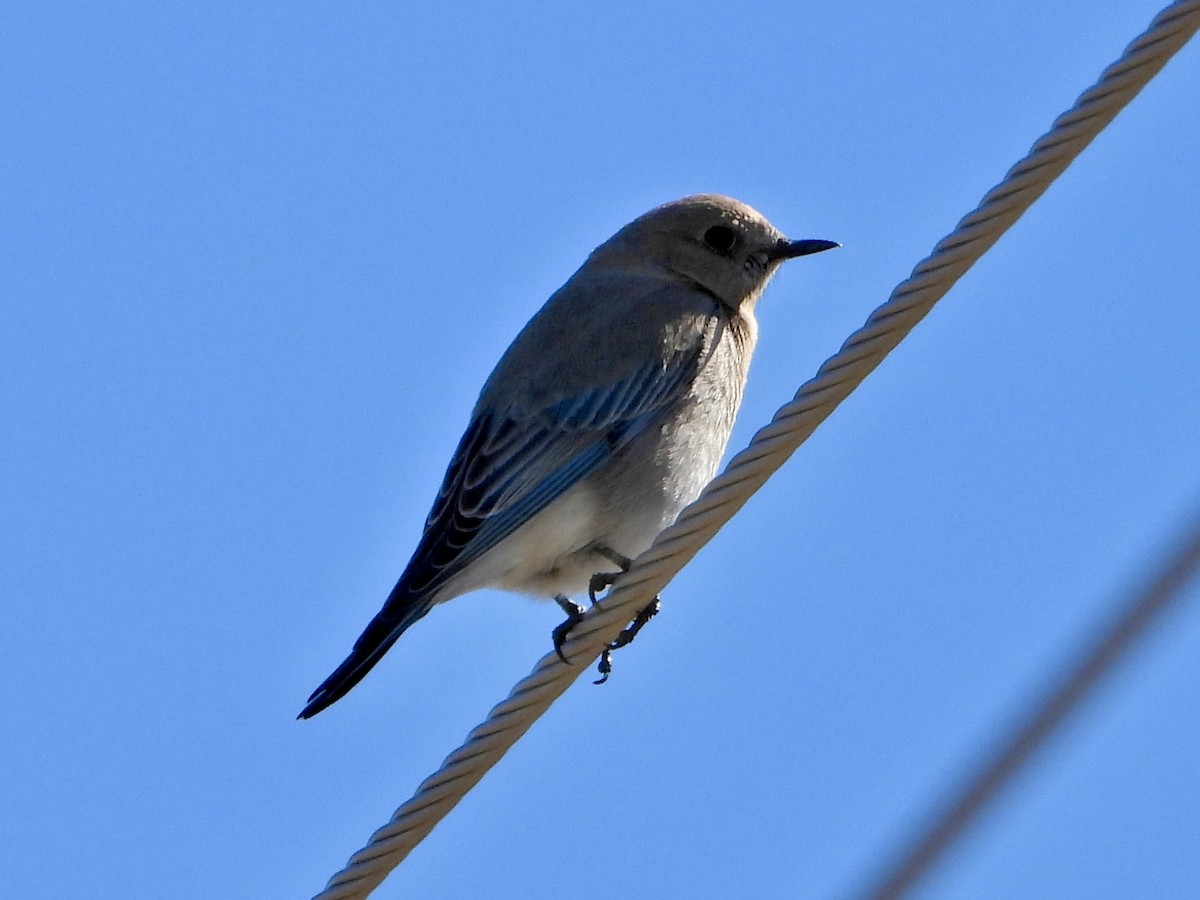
(257,261)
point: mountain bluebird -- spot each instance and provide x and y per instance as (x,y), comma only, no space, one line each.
(607,415)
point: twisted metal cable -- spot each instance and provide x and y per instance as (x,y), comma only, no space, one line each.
(770,448)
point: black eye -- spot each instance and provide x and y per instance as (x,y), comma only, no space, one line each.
(721,238)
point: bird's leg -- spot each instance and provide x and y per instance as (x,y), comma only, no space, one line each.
(625,638)
(599,582)
(596,583)
(574,614)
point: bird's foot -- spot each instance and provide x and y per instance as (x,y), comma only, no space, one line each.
(602,580)
(599,582)
(625,638)
(559,635)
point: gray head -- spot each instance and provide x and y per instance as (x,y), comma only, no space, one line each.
(717,243)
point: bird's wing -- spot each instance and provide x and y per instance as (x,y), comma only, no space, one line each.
(508,468)
(511,463)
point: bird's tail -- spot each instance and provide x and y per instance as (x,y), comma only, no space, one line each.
(392,621)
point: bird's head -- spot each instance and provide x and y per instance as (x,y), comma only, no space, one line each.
(719,244)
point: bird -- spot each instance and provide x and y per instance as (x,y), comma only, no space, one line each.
(605,417)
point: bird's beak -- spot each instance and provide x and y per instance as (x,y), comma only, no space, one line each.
(786,249)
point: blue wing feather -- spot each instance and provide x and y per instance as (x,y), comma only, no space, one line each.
(500,491)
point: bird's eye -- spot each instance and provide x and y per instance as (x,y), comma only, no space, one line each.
(720,238)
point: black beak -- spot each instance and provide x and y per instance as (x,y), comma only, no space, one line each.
(786,249)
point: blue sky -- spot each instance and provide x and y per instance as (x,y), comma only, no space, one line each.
(257,263)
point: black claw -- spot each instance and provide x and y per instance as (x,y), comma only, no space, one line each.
(605,667)
(599,582)
(602,580)
(559,635)
(625,638)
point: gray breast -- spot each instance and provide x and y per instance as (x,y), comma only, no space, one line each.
(644,487)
